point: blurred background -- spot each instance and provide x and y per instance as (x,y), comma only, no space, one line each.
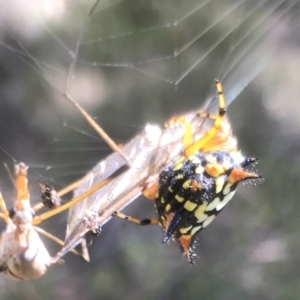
(142,62)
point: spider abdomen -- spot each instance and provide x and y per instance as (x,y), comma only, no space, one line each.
(195,189)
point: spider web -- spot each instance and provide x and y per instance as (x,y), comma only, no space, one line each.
(138,62)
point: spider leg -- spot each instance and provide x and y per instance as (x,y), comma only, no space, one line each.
(212,133)
(150,193)
(206,115)
(152,221)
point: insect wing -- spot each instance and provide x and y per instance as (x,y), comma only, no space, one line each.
(83,214)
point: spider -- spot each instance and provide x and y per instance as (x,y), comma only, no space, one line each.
(191,191)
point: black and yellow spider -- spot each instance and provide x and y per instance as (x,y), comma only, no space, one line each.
(192,191)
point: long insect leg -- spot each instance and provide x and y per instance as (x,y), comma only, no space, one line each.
(61,193)
(48,214)
(98,129)
(53,238)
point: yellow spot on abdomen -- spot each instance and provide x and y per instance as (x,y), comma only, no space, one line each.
(185,230)
(226,199)
(179,199)
(199,170)
(187,184)
(208,221)
(195,230)
(219,184)
(199,212)
(227,188)
(178,166)
(213,204)
(189,205)
(168,208)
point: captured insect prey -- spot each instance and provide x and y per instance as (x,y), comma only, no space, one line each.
(191,191)
(23,256)
(22,253)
